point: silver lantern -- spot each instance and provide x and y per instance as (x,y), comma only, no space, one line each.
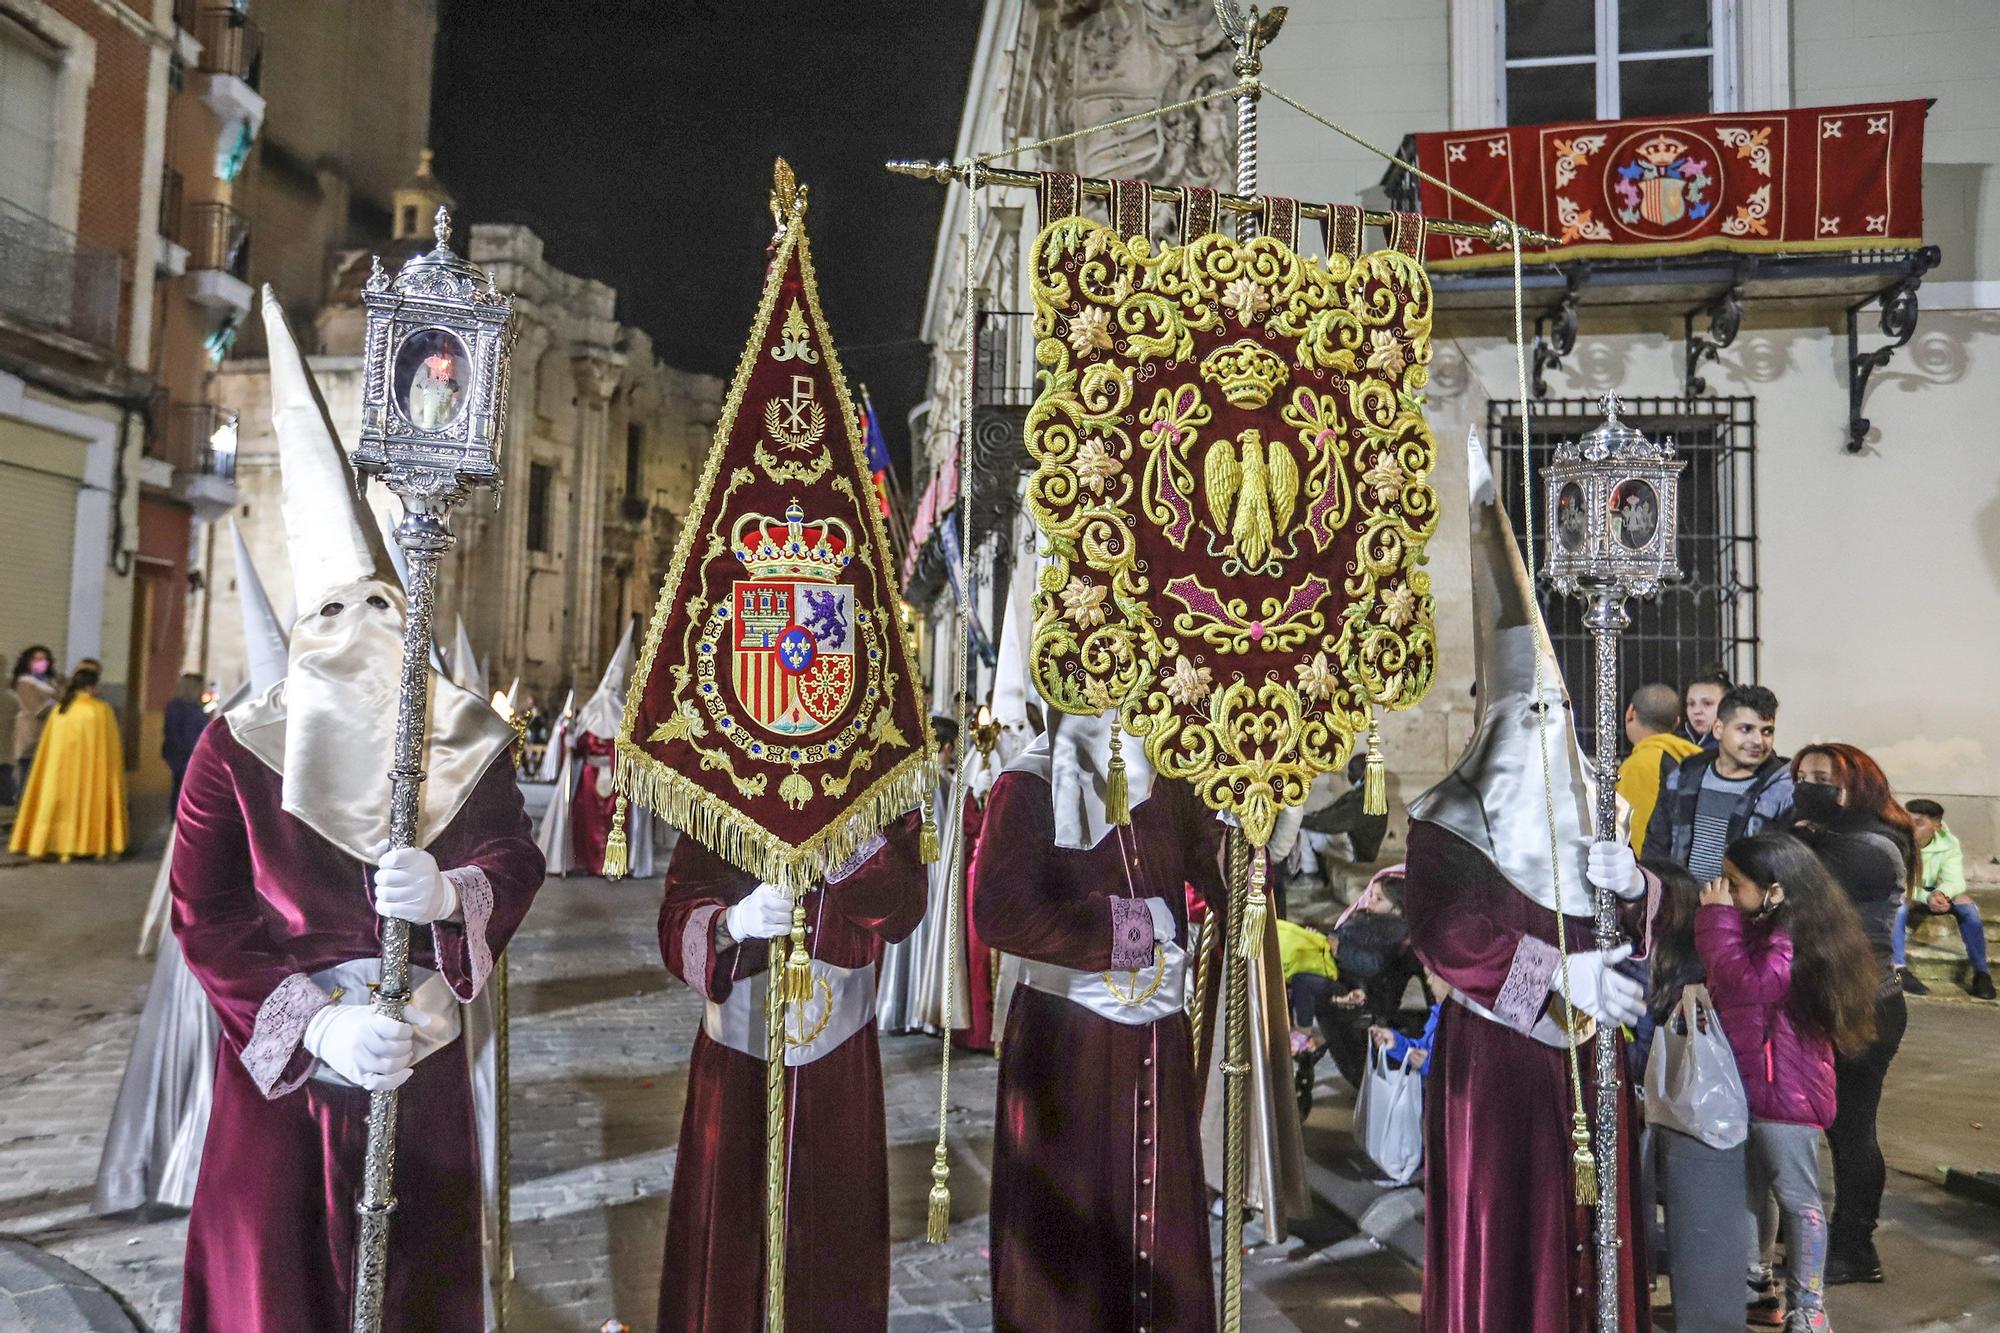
(434,390)
(1611,502)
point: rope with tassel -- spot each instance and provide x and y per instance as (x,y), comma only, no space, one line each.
(937,1224)
(774,1141)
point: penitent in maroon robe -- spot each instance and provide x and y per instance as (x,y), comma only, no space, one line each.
(977,1034)
(1099,1212)
(590,813)
(260,903)
(837,1224)
(1505,1245)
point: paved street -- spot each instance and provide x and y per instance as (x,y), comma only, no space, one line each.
(600,1048)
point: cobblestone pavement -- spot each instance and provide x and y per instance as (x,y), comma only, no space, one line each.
(600,1047)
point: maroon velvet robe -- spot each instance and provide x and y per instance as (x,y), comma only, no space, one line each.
(261,902)
(837,1225)
(977,1035)
(1505,1246)
(1099,1212)
(590,814)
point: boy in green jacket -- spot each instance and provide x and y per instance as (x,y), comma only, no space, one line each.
(1941,892)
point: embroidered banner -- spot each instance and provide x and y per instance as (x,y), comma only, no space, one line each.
(1817,178)
(1231,462)
(776,714)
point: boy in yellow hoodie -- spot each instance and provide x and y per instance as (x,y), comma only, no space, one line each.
(1651,722)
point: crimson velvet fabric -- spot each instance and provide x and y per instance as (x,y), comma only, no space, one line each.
(837,1246)
(977,1035)
(1505,1246)
(590,814)
(260,901)
(1099,1213)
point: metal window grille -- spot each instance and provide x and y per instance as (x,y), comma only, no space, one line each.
(1004,352)
(1709,618)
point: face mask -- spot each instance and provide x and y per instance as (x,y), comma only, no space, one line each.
(39,668)
(1819,801)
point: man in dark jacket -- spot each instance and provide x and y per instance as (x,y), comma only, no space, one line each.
(1739,788)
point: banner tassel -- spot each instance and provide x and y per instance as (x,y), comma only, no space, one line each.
(927,838)
(1251,940)
(937,1229)
(615,859)
(1586,1164)
(1117,793)
(798,968)
(1375,786)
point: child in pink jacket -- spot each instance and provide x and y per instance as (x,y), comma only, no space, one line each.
(1792,979)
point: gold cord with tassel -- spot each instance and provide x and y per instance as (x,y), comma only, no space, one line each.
(1375,786)
(1585,1161)
(615,859)
(927,837)
(774,1144)
(798,968)
(1252,939)
(1117,792)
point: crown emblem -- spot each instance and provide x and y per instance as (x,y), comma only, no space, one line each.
(1249,375)
(771,549)
(1662,150)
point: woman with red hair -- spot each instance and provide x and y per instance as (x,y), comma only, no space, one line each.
(1844,810)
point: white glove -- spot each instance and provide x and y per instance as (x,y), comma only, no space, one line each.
(1607,995)
(1613,867)
(765,914)
(364,1047)
(409,887)
(1163,920)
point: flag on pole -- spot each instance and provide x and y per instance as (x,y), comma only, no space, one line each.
(876,449)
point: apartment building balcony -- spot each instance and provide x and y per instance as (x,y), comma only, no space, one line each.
(218,241)
(197,442)
(53,291)
(231,66)
(172,260)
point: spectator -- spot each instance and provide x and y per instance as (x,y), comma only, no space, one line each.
(1708,1231)
(74,801)
(34,695)
(1364,831)
(1793,982)
(1415,1052)
(1372,945)
(185,720)
(1941,891)
(1844,811)
(1718,796)
(1699,703)
(1650,722)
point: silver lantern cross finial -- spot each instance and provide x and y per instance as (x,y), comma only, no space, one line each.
(1612,506)
(433,403)
(441,227)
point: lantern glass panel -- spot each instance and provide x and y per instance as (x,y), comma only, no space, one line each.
(1635,515)
(1572,522)
(433,378)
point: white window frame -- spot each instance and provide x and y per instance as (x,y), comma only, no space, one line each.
(1609,60)
(76,66)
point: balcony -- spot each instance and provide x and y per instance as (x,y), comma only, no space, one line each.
(218,242)
(1004,354)
(48,284)
(198,441)
(173,256)
(231,63)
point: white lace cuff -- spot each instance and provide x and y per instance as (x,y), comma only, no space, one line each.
(280,1027)
(475,905)
(1526,989)
(854,862)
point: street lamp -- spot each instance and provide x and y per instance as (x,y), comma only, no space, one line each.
(434,391)
(1611,501)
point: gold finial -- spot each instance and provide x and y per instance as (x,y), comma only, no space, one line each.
(424,158)
(441,227)
(788,197)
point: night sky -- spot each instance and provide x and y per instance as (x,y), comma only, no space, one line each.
(636,138)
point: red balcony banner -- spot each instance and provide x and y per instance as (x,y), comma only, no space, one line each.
(1815,178)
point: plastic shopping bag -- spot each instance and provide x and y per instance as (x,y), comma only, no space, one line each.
(1389,1117)
(1691,1081)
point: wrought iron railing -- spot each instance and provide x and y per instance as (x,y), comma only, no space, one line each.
(199,438)
(218,237)
(230,43)
(1004,357)
(46,280)
(173,188)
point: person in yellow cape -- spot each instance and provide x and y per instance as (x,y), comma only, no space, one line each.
(75,801)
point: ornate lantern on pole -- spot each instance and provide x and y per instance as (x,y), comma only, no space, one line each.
(1613,518)
(434,392)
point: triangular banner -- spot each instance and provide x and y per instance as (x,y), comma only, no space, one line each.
(776,712)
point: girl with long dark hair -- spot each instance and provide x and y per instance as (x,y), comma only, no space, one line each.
(1845,811)
(35,688)
(1794,980)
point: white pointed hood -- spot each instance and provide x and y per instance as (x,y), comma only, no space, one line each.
(332,535)
(558,746)
(265,642)
(603,713)
(465,670)
(1496,798)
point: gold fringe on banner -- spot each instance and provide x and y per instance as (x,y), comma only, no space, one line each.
(616,860)
(743,842)
(1117,791)
(1375,786)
